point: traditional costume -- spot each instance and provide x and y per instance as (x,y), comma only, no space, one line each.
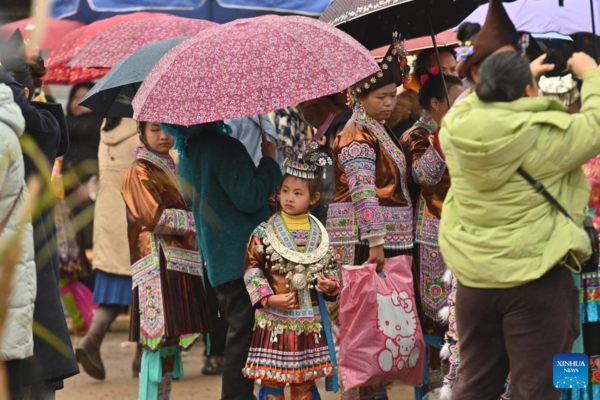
(285,255)
(589,285)
(169,305)
(372,204)
(428,170)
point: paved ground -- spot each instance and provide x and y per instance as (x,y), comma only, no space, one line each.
(117,354)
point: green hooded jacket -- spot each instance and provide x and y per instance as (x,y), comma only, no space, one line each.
(496,230)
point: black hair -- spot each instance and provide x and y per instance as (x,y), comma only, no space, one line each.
(314,185)
(434,87)
(20,71)
(425,56)
(74,89)
(142,133)
(467,31)
(503,77)
(111,123)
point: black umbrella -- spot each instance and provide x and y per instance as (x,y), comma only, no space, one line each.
(112,95)
(371,22)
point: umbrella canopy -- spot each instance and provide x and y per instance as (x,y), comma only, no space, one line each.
(64,75)
(539,16)
(67,48)
(249,67)
(57,62)
(413,46)
(53,30)
(125,38)
(372,22)
(111,96)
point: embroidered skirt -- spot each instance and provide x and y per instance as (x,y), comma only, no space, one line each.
(182,306)
(287,349)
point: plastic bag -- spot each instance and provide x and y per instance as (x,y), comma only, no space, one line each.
(381,336)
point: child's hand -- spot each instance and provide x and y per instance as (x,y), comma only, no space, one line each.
(282,302)
(325,285)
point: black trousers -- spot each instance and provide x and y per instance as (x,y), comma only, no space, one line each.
(218,336)
(519,329)
(239,313)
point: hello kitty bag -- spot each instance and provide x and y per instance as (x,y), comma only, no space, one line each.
(380,334)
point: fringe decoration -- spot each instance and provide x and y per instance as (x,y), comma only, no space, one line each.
(445,351)
(448,277)
(433,395)
(444,315)
(446,392)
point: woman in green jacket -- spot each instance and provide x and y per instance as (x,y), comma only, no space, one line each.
(516,304)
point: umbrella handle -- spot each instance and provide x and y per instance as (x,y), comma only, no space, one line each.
(437,52)
(262,130)
(594,31)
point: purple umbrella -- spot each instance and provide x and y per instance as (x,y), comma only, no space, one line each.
(540,16)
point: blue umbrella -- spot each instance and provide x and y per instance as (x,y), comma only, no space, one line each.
(220,11)
(112,95)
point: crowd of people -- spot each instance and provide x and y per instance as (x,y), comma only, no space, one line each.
(235,232)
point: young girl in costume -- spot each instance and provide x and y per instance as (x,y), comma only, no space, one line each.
(290,271)
(169,304)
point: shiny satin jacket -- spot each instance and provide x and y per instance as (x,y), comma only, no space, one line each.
(158,217)
(262,280)
(428,170)
(371,193)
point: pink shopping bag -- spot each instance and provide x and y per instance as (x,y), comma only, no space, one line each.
(381,336)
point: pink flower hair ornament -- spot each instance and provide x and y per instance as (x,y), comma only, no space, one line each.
(430,72)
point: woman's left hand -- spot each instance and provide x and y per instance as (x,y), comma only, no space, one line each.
(538,68)
(325,285)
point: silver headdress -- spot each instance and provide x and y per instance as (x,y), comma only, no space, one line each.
(305,159)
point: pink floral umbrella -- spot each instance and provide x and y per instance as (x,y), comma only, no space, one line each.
(125,38)
(72,43)
(249,67)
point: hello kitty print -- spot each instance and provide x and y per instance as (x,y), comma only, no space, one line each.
(397,321)
(382,336)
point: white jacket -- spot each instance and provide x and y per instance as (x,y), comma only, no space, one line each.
(16,341)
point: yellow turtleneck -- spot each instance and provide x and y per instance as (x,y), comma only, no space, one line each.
(296,222)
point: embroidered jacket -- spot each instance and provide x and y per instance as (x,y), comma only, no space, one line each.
(428,170)
(158,218)
(371,199)
(262,280)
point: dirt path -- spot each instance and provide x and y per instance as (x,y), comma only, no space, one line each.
(117,354)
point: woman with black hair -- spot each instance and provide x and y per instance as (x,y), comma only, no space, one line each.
(169,309)
(428,171)
(510,248)
(428,59)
